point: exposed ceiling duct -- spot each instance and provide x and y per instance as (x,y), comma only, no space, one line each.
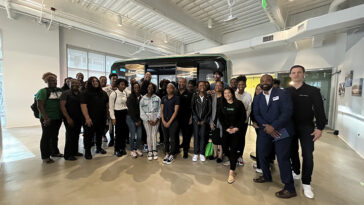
(334,6)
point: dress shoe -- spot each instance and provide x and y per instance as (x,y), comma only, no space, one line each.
(72,158)
(261,180)
(79,154)
(100,151)
(48,161)
(123,152)
(57,155)
(118,154)
(285,194)
(218,160)
(88,156)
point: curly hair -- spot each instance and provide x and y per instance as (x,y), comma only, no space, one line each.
(47,76)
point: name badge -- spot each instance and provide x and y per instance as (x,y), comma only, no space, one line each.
(275,98)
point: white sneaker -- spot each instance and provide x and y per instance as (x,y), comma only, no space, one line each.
(255,165)
(259,170)
(133,154)
(165,159)
(296,176)
(202,158)
(150,155)
(155,155)
(307,191)
(240,161)
(194,158)
(227,163)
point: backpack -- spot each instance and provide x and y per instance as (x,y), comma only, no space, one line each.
(34,106)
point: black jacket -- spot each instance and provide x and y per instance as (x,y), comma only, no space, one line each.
(133,107)
(201,111)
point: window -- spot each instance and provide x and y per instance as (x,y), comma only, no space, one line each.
(2,109)
(90,63)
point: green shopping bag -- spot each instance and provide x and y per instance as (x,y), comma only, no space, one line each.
(209,151)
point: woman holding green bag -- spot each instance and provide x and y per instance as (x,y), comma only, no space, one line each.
(215,124)
(232,116)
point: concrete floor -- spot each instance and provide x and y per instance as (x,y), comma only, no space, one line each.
(110,180)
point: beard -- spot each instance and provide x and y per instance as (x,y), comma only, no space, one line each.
(266,87)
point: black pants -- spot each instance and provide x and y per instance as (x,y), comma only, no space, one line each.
(170,138)
(72,137)
(186,131)
(303,133)
(243,130)
(282,149)
(161,135)
(121,129)
(49,140)
(231,145)
(98,129)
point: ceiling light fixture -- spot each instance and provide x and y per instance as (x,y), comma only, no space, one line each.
(165,38)
(230,18)
(120,21)
(209,23)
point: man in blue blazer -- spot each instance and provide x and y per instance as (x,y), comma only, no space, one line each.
(273,111)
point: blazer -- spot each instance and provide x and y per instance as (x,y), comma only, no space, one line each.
(277,113)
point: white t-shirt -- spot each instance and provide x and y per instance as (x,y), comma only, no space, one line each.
(117,101)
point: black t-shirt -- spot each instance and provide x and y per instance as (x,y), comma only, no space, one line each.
(168,106)
(307,104)
(96,104)
(232,115)
(72,104)
(184,111)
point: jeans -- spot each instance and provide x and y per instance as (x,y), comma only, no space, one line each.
(186,130)
(170,138)
(49,140)
(199,138)
(134,145)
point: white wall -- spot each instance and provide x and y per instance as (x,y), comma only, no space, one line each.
(350,109)
(282,58)
(29,50)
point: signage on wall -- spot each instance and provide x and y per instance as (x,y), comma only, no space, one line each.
(349,79)
(357,88)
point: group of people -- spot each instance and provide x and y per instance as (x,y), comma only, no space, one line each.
(137,111)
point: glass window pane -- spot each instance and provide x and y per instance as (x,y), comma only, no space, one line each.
(77,59)
(109,61)
(95,73)
(73,72)
(96,62)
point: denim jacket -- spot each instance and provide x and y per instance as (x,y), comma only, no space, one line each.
(150,108)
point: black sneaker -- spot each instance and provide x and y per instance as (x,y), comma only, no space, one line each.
(170,159)
(100,151)
(165,159)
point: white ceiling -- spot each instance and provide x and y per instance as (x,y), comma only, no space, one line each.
(174,24)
